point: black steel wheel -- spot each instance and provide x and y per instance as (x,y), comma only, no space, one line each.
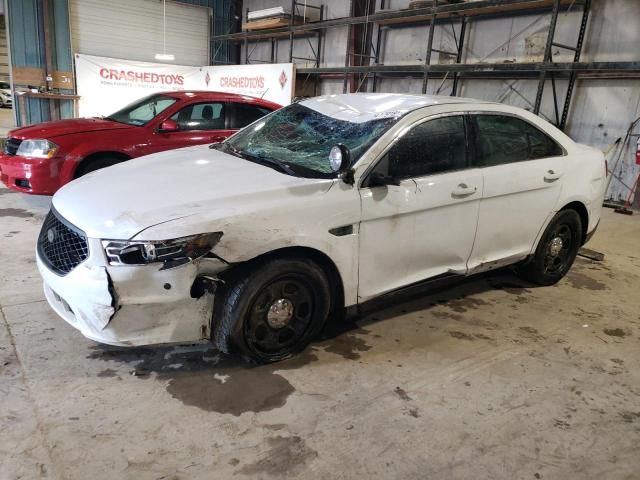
(556,251)
(280,316)
(273,310)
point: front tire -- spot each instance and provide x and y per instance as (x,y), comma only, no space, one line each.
(97,163)
(273,310)
(556,251)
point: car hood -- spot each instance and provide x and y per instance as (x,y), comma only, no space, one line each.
(58,128)
(121,201)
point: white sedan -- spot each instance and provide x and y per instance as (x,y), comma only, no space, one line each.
(316,208)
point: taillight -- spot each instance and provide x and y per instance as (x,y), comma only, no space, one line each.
(638,153)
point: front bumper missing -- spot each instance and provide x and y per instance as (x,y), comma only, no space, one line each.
(130,306)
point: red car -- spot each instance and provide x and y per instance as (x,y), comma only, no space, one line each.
(42,158)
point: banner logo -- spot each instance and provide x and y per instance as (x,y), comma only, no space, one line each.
(283,79)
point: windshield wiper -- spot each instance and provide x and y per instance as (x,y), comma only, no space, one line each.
(283,167)
(114,120)
(278,164)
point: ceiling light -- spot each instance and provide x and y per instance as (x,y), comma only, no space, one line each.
(164,56)
(167,57)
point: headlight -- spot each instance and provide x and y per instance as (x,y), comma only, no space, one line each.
(37,149)
(170,252)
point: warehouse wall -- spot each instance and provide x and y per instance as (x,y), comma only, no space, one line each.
(25,25)
(4,51)
(602,110)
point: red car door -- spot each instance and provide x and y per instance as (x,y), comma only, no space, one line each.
(194,124)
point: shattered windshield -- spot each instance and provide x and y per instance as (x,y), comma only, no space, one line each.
(301,138)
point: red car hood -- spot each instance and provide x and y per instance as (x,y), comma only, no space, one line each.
(66,127)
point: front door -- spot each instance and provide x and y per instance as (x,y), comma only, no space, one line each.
(425,226)
(199,124)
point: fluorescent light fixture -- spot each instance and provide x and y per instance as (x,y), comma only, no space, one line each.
(167,57)
(164,56)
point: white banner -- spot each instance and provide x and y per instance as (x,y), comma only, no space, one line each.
(108,84)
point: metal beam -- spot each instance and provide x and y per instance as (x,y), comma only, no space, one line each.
(478,8)
(564,67)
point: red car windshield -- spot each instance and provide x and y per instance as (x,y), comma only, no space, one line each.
(142,111)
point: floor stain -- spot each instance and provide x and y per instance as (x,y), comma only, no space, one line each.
(461,335)
(461,305)
(513,288)
(414,412)
(584,282)
(108,373)
(402,394)
(615,332)
(348,345)
(447,315)
(201,377)
(630,417)
(281,457)
(15,212)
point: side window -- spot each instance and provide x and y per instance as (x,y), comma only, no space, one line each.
(244,114)
(149,110)
(201,116)
(504,139)
(435,146)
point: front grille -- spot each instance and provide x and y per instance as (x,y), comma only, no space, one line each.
(61,245)
(11,146)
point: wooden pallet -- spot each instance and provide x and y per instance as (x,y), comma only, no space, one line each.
(268,23)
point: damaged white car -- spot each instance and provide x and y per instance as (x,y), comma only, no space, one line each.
(318,207)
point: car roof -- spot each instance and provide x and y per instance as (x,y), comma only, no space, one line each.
(363,107)
(213,95)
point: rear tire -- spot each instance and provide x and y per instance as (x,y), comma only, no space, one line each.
(97,163)
(271,311)
(556,251)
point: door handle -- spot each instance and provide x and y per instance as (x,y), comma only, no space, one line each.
(552,176)
(463,190)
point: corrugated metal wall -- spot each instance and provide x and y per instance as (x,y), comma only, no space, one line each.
(134,30)
(224,21)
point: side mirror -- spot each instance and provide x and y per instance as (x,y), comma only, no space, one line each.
(169,126)
(340,162)
(378,179)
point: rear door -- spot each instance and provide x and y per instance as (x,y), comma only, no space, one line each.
(522,169)
(242,114)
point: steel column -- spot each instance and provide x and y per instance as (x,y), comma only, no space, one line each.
(547,55)
(427,60)
(576,58)
(456,78)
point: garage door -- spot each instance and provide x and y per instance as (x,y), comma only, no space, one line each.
(133,30)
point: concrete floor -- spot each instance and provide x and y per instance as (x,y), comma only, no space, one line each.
(491,379)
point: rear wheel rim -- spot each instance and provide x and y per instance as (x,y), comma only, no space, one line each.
(280,316)
(558,250)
